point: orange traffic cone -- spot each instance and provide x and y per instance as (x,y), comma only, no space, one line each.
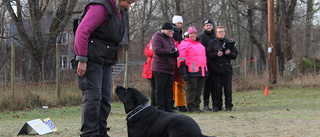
(266,91)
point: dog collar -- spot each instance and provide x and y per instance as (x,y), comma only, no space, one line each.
(137,110)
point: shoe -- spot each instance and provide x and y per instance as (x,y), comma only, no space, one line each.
(207,108)
(182,109)
(228,109)
(171,111)
(198,109)
(216,110)
(174,108)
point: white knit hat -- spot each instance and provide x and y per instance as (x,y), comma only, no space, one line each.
(177,18)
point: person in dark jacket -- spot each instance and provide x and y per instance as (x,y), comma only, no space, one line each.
(162,65)
(177,22)
(206,36)
(221,74)
(96,44)
(178,84)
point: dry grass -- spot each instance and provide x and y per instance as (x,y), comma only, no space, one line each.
(33,95)
(285,112)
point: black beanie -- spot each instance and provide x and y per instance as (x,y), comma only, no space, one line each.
(167,25)
(208,21)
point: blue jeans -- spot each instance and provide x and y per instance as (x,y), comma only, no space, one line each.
(96,98)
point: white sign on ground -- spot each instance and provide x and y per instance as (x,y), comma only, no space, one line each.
(37,125)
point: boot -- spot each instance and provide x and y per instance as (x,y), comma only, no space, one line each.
(173,107)
(207,108)
(182,109)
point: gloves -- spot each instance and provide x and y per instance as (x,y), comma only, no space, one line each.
(185,77)
(174,52)
(174,49)
(184,71)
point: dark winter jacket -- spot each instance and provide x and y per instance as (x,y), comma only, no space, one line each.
(222,64)
(163,59)
(177,34)
(206,37)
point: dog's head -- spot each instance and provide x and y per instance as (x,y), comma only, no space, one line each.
(131,97)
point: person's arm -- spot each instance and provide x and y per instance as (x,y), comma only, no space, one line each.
(183,52)
(148,50)
(203,40)
(233,54)
(211,53)
(95,16)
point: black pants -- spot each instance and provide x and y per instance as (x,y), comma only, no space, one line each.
(153,92)
(208,89)
(96,99)
(163,90)
(225,81)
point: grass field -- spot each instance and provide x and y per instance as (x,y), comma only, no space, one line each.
(285,112)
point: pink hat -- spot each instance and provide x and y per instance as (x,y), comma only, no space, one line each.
(192,29)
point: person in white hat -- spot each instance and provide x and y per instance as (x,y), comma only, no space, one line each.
(178,85)
(177,22)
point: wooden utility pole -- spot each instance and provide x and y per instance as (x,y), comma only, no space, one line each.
(58,71)
(125,42)
(271,43)
(13,66)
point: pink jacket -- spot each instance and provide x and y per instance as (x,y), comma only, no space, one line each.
(194,55)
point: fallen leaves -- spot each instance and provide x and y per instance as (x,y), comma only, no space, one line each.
(15,116)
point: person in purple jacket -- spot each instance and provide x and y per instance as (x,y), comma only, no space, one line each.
(163,63)
(96,44)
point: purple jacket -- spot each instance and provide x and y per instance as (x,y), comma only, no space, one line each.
(162,60)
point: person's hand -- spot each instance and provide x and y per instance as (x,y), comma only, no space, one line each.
(220,53)
(174,49)
(82,67)
(185,77)
(227,52)
(174,53)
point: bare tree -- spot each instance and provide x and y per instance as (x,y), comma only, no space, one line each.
(4,54)
(41,48)
(287,8)
(178,7)
(309,24)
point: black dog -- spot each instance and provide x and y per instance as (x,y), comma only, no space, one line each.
(146,121)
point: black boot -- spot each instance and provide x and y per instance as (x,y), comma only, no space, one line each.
(182,109)
(173,107)
(207,108)
(103,133)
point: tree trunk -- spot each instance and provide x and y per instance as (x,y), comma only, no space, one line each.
(252,34)
(308,38)
(178,7)
(287,18)
(279,47)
